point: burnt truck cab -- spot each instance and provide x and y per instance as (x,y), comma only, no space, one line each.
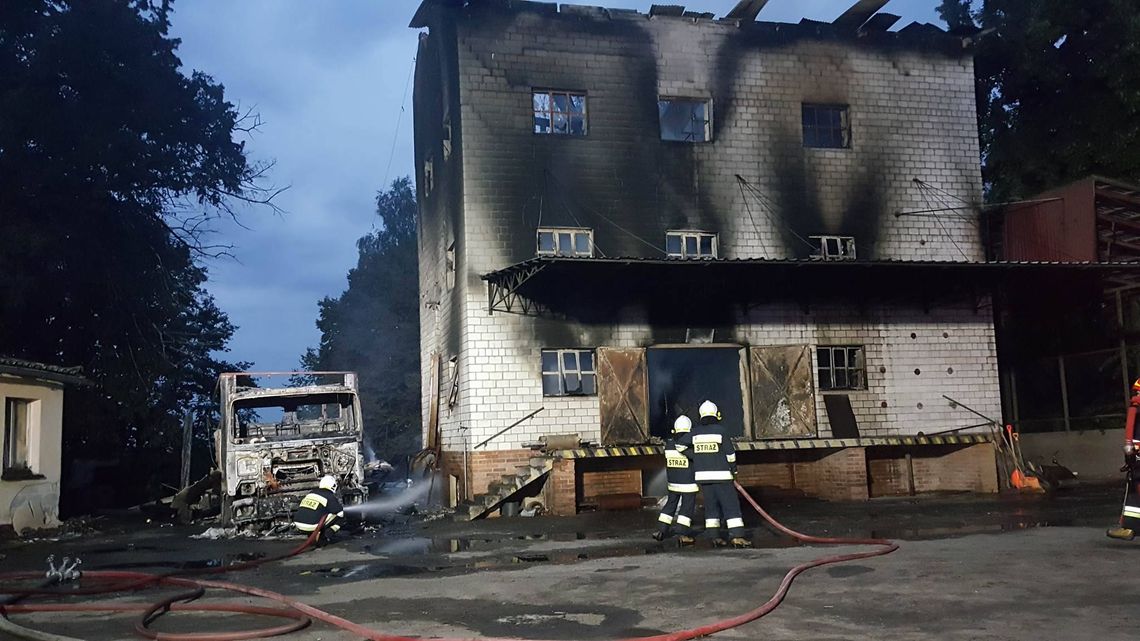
(275,443)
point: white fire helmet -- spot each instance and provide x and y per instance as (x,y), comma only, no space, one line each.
(710,410)
(328,482)
(682,424)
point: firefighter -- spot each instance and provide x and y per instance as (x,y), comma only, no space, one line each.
(1130,514)
(714,464)
(682,501)
(322,503)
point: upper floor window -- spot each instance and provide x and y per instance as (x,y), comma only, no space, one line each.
(690,244)
(559,112)
(565,241)
(826,126)
(684,119)
(841,367)
(833,247)
(568,372)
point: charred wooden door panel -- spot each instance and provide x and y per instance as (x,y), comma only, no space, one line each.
(783,393)
(622,393)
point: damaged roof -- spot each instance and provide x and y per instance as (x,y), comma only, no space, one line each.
(860,20)
(563,284)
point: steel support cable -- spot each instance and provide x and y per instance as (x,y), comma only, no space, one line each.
(303,612)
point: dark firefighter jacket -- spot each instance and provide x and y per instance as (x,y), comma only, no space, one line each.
(714,457)
(316,504)
(678,467)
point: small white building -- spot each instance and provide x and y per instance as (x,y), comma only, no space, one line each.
(31,413)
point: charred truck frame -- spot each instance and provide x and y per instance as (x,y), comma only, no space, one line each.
(621,214)
(275,443)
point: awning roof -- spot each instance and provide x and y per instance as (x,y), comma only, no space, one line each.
(573,285)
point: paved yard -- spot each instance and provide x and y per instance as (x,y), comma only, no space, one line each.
(969,568)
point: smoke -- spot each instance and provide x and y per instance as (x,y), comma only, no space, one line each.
(396,500)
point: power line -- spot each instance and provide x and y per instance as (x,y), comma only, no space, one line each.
(399,119)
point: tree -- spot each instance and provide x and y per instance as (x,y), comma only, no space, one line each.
(1056,88)
(113,165)
(373,326)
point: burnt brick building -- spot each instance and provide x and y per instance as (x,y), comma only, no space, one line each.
(622,214)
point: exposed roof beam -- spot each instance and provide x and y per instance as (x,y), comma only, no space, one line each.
(746,10)
(1120,222)
(880,22)
(675,10)
(1118,197)
(859,13)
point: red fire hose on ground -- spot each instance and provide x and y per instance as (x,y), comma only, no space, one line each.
(301,614)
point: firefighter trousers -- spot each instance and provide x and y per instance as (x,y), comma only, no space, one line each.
(677,513)
(1130,514)
(722,508)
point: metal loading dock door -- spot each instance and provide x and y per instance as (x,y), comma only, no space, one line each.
(682,377)
(783,392)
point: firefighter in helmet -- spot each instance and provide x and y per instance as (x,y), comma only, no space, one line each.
(320,509)
(1130,513)
(714,464)
(677,513)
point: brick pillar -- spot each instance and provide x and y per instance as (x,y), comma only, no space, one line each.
(838,476)
(561,488)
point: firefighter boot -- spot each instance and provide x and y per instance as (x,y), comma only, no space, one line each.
(685,540)
(1122,533)
(719,542)
(659,535)
(740,542)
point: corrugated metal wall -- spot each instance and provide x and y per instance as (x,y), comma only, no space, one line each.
(1058,230)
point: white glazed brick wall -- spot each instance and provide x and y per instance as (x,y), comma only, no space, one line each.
(506,383)
(912,116)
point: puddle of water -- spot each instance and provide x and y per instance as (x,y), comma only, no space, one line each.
(197,564)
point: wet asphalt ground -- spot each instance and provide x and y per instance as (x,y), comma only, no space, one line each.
(970,567)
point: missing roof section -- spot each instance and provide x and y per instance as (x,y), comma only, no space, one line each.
(880,22)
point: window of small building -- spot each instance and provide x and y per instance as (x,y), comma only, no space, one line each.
(826,126)
(565,241)
(559,113)
(568,372)
(833,247)
(685,119)
(841,367)
(691,244)
(17,434)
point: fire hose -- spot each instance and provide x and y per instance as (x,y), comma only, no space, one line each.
(301,614)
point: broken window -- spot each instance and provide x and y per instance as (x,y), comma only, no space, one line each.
(283,418)
(559,112)
(833,247)
(684,119)
(429,177)
(449,274)
(826,126)
(690,244)
(841,367)
(568,372)
(565,241)
(17,428)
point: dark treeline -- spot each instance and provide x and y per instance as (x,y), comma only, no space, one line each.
(373,327)
(114,162)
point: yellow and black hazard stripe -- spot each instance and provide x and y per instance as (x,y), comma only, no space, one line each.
(787,444)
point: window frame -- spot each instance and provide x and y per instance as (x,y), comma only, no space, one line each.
(8,464)
(562,371)
(574,232)
(550,112)
(857,370)
(697,235)
(818,128)
(707,102)
(846,248)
